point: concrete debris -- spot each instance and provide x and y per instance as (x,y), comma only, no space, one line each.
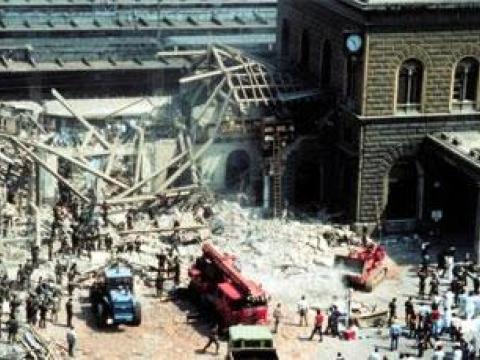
(304,267)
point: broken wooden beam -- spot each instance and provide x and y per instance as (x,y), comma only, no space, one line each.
(48,168)
(163,230)
(80,118)
(78,163)
(152,176)
(180,191)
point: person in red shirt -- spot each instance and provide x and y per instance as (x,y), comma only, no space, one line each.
(435,322)
(318,325)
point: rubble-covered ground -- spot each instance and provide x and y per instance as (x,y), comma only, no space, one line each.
(289,258)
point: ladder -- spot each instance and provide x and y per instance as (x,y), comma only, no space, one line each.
(277,174)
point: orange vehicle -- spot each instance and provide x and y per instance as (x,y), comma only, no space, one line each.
(218,282)
(365,267)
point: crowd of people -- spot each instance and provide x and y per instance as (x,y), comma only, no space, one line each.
(428,319)
(74,233)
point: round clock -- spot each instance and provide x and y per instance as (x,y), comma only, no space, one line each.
(353,43)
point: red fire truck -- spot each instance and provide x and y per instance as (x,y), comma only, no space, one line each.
(365,267)
(237,300)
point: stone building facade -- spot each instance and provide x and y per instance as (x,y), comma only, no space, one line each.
(415,74)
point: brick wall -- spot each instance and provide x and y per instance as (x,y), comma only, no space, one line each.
(439,51)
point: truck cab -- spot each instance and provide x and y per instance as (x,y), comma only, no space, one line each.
(248,342)
(112,297)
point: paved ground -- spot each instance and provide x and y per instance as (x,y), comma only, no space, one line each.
(165,333)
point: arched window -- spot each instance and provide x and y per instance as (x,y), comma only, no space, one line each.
(285,46)
(305,50)
(409,92)
(465,84)
(326,64)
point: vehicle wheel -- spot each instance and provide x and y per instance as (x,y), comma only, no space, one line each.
(137,316)
(369,286)
(101,316)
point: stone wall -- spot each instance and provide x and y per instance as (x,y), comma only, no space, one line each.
(387,140)
(321,25)
(214,163)
(439,51)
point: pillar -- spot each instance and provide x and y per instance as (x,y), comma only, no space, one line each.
(266,192)
(476,238)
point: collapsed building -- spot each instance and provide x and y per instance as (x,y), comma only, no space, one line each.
(360,114)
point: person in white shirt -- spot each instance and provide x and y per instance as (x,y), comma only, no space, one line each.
(457,352)
(302,307)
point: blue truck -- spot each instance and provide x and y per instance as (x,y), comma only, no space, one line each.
(112,298)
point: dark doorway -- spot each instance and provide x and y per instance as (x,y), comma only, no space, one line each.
(308,184)
(285,38)
(402,190)
(326,64)
(237,173)
(454,193)
(305,50)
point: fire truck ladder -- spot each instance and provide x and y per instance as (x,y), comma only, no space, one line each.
(277,174)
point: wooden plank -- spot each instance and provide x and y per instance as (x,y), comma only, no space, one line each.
(226,70)
(138,162)
(78,163)
(152,176)
(199,153)
(123,108)
(210,99)
(193,168)
(48,168)
(163,230)
(180,191)
(182,53)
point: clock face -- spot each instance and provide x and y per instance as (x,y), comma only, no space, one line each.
(354,43)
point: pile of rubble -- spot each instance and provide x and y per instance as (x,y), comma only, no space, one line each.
(288,257)
(30,344)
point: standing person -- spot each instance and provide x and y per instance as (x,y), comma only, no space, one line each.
(105,208)
(12,329)
(412,325)
(212,339)
(176,272)
(277,317)
(55,308)
(159,281)
(395,331)
(434,284)
(476,284)
(318,326)
(58,273)
(422,279)
(302,307)
(340,356)
(409,311)
(436,321)
(34,254)
(449,264)
(108,242)
(43,315)
(71,341)
(392,310)
(69,311)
